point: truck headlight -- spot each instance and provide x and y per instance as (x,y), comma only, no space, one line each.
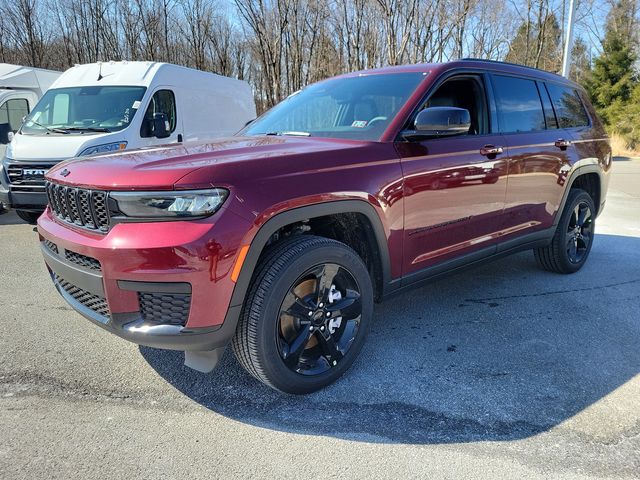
(187,203)
(107,147)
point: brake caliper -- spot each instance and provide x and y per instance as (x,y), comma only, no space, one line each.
(334,296)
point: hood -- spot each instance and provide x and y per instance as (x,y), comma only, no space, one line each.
(160,168)
(54,148)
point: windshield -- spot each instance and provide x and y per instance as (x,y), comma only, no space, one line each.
(358,108)
(84,110)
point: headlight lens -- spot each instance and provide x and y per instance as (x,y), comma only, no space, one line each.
(107,147)
(188,203)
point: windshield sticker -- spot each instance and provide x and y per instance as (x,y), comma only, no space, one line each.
(359,123)
(136,105)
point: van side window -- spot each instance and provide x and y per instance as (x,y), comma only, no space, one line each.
(163,101)
(12,112)
(519,105)
(464,92)
(568,106)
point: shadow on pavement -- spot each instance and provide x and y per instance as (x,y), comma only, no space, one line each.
(500,352)
(10,218)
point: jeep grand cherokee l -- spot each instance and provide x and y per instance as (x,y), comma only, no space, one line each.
(279,240)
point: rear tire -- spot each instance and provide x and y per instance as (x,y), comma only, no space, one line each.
(29,217)
(572,241)
(306,316)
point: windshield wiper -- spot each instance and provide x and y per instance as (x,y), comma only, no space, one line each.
(48,129)
(290,133)
(85,129)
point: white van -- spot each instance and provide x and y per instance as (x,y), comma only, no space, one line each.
(20,90)
(105,107)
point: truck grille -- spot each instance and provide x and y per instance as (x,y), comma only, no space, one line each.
(93,302)
(81,207)
(164,308)
(27,178)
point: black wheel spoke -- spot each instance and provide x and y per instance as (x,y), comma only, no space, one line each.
(291,352)
(298,310)
(325,277)
(329,348)
(585,213)
(348,307)
(573,249)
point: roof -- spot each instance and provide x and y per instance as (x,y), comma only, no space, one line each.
(135,74)
(17,76)
(491,65)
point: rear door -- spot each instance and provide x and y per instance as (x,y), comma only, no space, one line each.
(454,187)
(539,154)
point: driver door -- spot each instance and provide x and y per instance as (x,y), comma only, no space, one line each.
(454,187)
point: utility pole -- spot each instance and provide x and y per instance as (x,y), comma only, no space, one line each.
(568,43)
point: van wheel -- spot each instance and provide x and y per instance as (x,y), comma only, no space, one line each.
(572,241)
(29,217)
(306,316)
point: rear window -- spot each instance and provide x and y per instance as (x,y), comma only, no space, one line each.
(568,106)
(519,106)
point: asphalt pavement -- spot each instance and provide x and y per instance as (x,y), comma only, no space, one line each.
(503,371)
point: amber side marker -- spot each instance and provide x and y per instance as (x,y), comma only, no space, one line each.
(239,261)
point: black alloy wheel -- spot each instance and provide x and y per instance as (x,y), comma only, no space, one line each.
(319,319)
(306,315)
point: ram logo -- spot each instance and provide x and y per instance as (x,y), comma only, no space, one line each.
(34,172)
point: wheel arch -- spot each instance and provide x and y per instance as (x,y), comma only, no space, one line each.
(584,177)
(300,214)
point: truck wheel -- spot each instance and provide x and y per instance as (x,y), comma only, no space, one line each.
(571,244)
(306,316)
(29,217)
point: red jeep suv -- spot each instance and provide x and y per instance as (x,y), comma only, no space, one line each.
(281,238)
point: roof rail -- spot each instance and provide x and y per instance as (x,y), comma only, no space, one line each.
(471,59)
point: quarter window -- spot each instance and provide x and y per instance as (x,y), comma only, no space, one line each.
(163,101)
(568,106)
(12,112)
(519,105)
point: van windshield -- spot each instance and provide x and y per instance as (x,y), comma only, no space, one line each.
(358,108)
(84,110)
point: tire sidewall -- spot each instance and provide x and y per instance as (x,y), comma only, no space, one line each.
(269,356)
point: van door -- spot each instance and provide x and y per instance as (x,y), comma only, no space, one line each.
(163,101)
(12,111)
(539,154)
(454,187)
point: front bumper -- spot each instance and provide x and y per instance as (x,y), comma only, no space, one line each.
(106,278)
(30,201)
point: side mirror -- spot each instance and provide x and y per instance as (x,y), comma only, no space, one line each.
(161,125)
(439,122)
(4,133)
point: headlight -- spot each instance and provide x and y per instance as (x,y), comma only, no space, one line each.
(107,147)
(187,203)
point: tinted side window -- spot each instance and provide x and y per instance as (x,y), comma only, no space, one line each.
(568,106)
(519,105)
(549,116)
(163,101)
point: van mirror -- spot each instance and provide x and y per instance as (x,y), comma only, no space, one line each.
(161,125)
(4,133)
(440,122)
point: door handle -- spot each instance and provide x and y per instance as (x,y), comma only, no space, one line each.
(489,150)
(562,144)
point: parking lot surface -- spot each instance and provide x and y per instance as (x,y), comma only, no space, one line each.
(503,371)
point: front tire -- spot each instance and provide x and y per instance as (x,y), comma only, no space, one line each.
(29,217)
(306,316)
(573,238)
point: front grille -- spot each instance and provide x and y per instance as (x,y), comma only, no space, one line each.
(93,302)
(27,177)
(51,246)
(79,206)
(82,260)
(165,308)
